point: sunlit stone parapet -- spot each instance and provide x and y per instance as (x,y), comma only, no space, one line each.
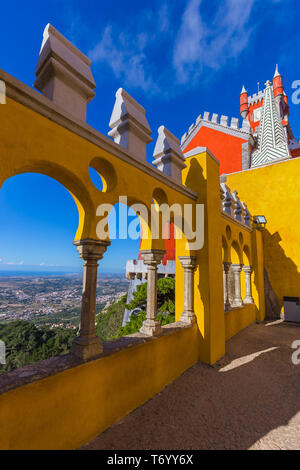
(64,74)
(168,155)
(232,206)
(226,198)
(129,125)
(237,207)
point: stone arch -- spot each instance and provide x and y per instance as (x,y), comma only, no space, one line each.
(73,184)
(247,256)
(236,253)
(225,250)
(107,173)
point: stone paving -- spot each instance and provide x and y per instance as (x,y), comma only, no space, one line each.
(249,400)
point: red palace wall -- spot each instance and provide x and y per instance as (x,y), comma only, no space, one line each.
(226,148)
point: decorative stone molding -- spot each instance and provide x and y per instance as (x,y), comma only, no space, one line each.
(189,264)
(64,74)
(129,125)
(152,258)
(168,155)
(248,298)
(237,300)
(87,345)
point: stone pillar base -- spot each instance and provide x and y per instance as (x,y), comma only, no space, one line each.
(237,303)
(86,347)
(188,317)
(248,300)
(151,328)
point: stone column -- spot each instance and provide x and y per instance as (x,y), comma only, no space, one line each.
(237,301)
(226,267)
(151,258)
(189,264)
(87,344)
(248,298)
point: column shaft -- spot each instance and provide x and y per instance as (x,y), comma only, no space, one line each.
(188,263)
(87,345)
(237,301)
(248,298)
(226,267)
(151,258)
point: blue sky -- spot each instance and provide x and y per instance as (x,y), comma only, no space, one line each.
(177,58)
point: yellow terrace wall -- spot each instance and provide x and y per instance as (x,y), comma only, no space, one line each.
(67,409)
(273,191)
(239,318)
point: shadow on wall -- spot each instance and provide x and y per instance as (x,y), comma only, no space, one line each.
(281,275)
(230,406)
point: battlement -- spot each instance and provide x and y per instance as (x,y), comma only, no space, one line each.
(256,97)
(216,122)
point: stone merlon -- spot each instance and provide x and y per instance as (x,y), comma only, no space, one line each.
(129,125)
(64,74)
(168,154)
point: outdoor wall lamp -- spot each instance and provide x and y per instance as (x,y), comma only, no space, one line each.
(259,221)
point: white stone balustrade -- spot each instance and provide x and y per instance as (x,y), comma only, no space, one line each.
(232,206)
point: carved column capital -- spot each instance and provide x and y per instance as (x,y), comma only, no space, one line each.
(188,262)
(236,268)
(226,266)
(248,269)
(91,250)
(152,257)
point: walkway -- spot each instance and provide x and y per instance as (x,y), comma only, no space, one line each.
(249,400)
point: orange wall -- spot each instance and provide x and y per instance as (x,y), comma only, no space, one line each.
(226,148)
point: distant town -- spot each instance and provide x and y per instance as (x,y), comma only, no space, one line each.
(53,300)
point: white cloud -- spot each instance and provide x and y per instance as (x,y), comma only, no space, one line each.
(159,51)
(127,60)
(210,44)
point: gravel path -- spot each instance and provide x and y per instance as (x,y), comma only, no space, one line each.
(249,400)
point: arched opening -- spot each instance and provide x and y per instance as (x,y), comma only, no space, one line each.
(127,310)
(41,274)
(103,174)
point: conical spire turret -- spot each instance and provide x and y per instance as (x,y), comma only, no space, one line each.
(271,141)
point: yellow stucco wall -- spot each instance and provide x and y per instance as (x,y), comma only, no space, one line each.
(29,142)
(239,318)
(67,409)
(273,191)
